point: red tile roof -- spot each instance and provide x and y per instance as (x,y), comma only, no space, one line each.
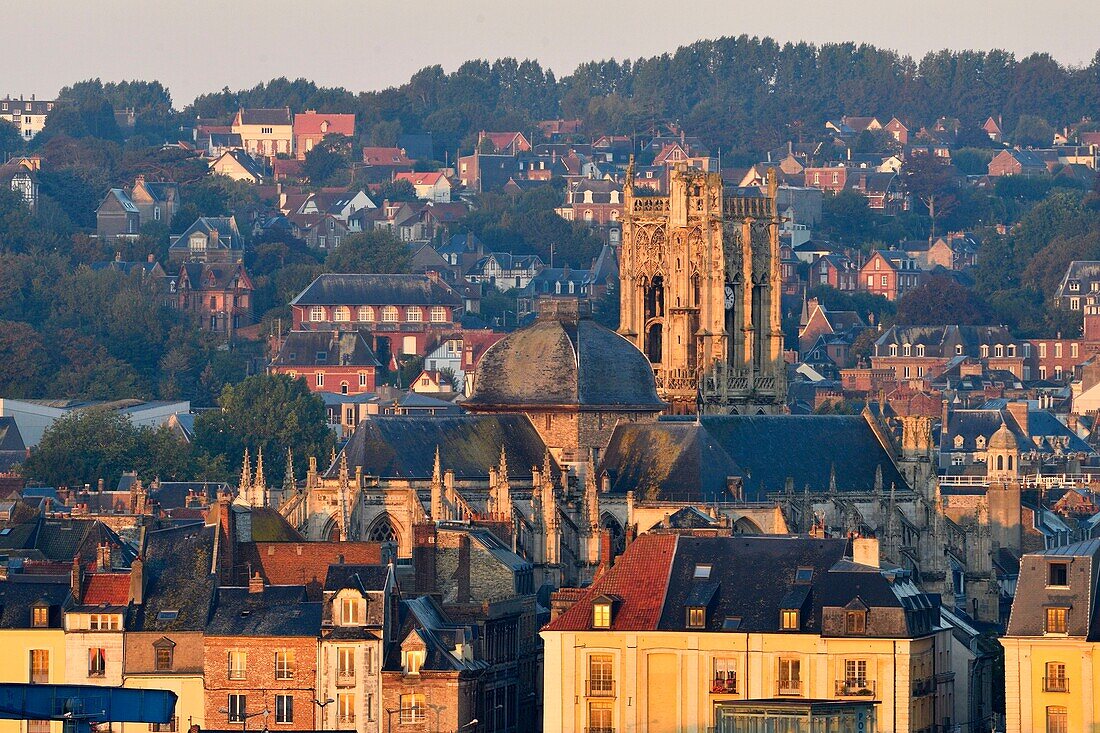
(639,580)
(310,123)
(304,563)
(111,589)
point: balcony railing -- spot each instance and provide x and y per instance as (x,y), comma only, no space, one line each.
(601,688)
(790,687)
(345,678)
(924,686)
(855,688)
(724,686)
(599,729)
(1056,684)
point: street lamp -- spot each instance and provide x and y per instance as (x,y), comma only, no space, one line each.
(245,716)
(323,705)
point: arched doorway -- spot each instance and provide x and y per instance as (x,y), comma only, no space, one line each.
(653,342)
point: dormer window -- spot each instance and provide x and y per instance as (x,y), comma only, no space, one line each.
(601,615)
(893,349)
(958,349)
(855,622)
(1058,575)
(1056,620)
(789,619)
(350,612)
(920,350)
(412,660)
(958,442)
(696,617)
(40,617)
(979,442)
(907,350)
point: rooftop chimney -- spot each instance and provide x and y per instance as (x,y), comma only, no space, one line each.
(865,551)
(137,581)
(256,583)
(76,581)
(1019,411)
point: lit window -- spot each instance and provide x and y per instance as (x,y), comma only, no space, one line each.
(349,611)
(412,708)
(412,661)
(601,675)
(40,616)
(696,617)
(601,615)
(412,315)
(788,619)
(284,664)
(345,708)
(1056,620)
(389,314)
(317,313)
(365,313)
(237,664)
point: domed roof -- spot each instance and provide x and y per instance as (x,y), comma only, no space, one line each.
(1003,439)
(564,359)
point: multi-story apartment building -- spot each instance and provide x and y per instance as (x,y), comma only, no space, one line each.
(1052,683)
(923,352)
(358,609)
(891,274)
(265,132)
(260,658)
(329,361)
(28,115)
(686,633)
(32,638)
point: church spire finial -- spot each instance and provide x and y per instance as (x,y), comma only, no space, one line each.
(246,475)
(259,482)
(288,477)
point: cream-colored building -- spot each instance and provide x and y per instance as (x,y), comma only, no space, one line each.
(32,641)
(265,132)
(1052,682)
(28,115)
(692,633)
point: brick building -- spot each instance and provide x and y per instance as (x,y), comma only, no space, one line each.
(923,352)
(329,361)
(310,128)
(890,273)
(260,658)
(218,295)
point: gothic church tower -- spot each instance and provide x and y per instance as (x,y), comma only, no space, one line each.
(699,293)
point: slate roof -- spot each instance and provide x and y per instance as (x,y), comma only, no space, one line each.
(366,289)
(655,581)
(690,461)
(123,200)
(364,578)
(178,570)
(12,448)
(17,597)
(396,446)
(229,237)
(279,116)
(280,610)
(246,161)
(421,616)
(564,360)
(305,349)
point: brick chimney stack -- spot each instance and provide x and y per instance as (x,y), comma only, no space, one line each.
(256,583)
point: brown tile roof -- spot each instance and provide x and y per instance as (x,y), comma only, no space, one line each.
(304,563)
(385,156)
(639,582)
(309,123)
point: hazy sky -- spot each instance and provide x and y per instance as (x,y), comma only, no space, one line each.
(194,46)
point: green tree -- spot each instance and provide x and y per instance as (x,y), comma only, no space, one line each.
(1033,131)
(395,191)
(272,412)
(929,181)
(99,443)
(26,364)
(375,251)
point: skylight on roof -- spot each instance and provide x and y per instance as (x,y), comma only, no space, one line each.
(702,572)
(732,623)
(804,575)
(167,615)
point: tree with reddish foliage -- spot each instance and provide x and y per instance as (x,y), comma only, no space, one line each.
(942,301)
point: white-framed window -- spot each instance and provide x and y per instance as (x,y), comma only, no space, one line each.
(317,313)
(389,314)
(438,314)
(412,708)
(350,614)
(1057,349)
(364,314)
(345,708)
(236,709)
(319,378)
(236,664)
(97,662)
(855,672)
(342,314)
(284,709)
(1074,349)
(893,349)
(413,315)
(1042,351)
(362,379)
(601,615)
(1075,304)
(907,350)
(284,664)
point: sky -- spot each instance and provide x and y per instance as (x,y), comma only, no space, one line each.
(196,46)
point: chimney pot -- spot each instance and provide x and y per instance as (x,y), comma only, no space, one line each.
(256,583)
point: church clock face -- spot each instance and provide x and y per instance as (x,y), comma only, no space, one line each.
(730,297)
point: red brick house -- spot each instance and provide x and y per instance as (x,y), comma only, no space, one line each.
(1016,163)
(596,203)
(311,127)
(381,163)
(505,143)
(832,179)
(260,658)
(405,314)
(329,361)
(1057,358)
(218,294)
(890,273)
(836,271)
(898,130)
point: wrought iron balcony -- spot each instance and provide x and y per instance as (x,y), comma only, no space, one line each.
(723,686)
(855,688)
(790,687)
(1056,684)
